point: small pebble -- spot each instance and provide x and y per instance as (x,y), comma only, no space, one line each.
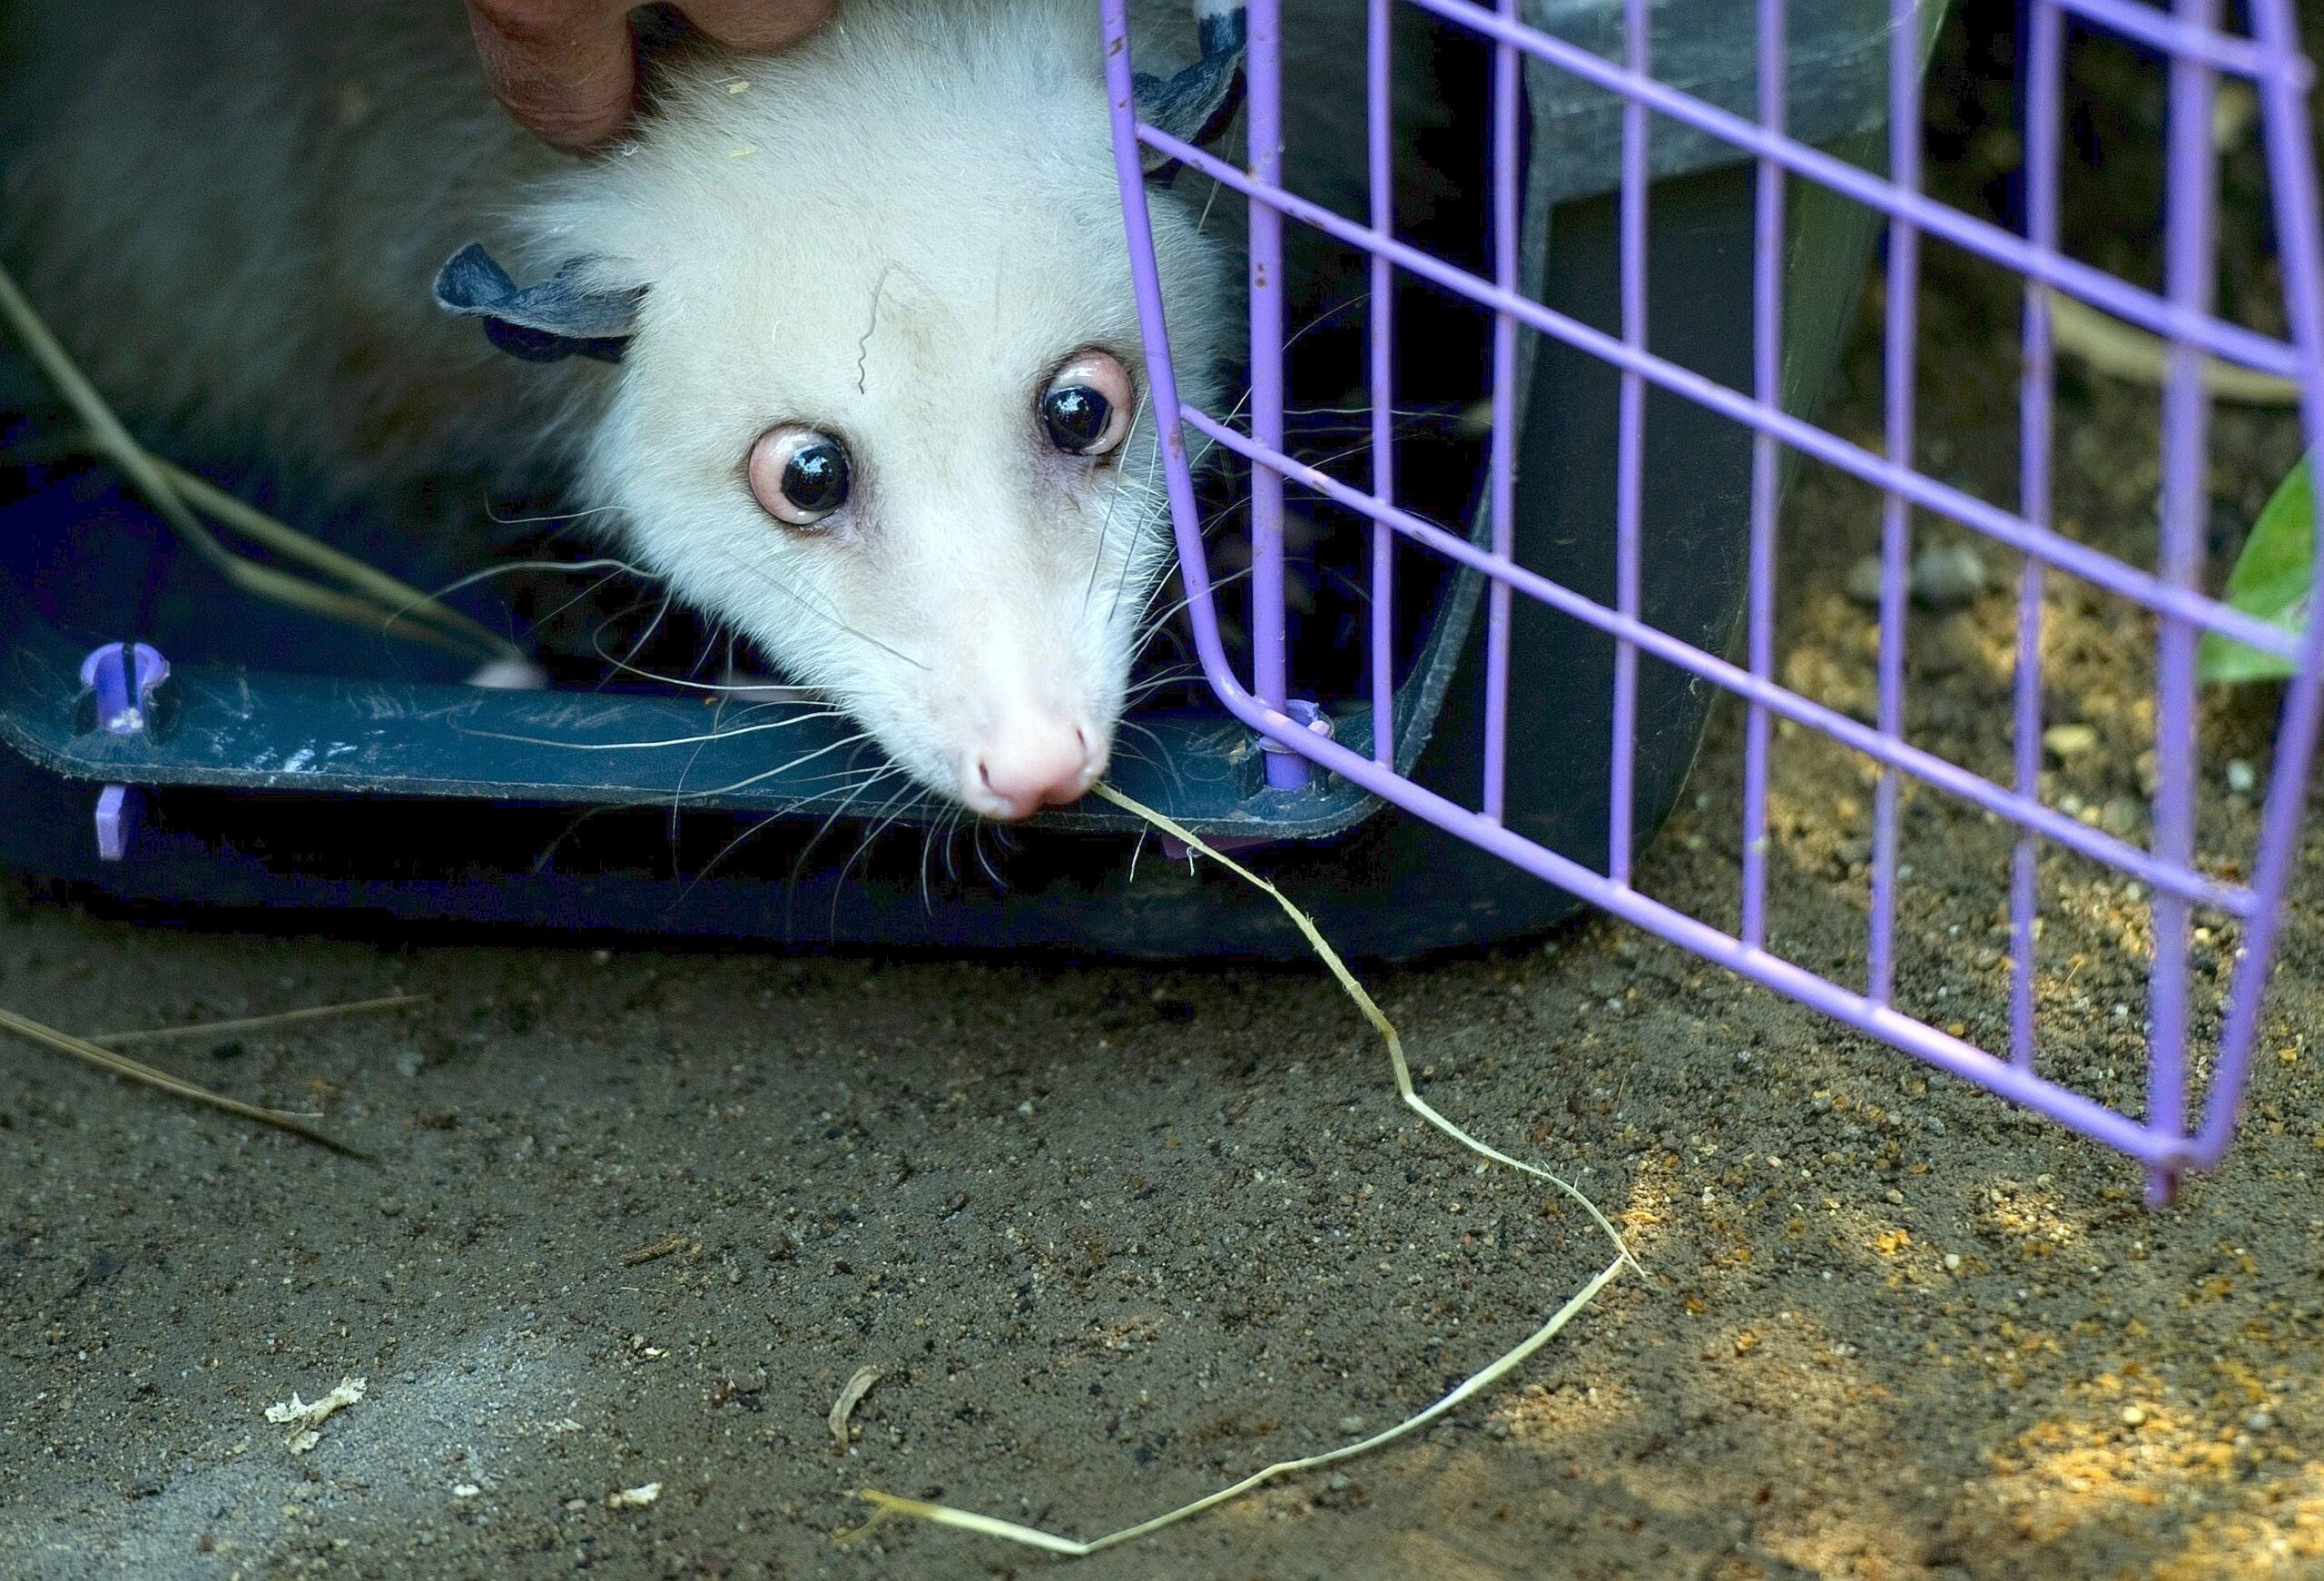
(1947,576)
(2132,1416)
(1864,580)
(2069,740)
(2123,817)
(1953,1262)
(1352,1424)
(2259,1421)
(1896,1196)
(2241,777)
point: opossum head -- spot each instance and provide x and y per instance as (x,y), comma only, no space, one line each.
(882,407)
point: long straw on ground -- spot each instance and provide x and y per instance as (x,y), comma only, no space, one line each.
(204,1029)
(138,1071)
(2137,356)
(887,1505)
(364,597)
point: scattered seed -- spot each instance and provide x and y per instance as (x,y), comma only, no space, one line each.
(305,1418)
(849,1399)
(659,1249)
(2123,817)
(1947,576)
(2064,741)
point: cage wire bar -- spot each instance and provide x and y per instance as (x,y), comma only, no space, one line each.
(2199,51)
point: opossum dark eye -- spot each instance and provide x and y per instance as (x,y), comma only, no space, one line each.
(1087,407)
(798,475)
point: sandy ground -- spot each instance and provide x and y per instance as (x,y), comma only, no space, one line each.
(1114,1236)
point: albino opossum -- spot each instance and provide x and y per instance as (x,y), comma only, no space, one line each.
(879,404)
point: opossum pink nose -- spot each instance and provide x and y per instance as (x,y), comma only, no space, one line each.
(1023,770)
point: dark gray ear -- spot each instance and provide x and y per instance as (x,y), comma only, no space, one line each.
(1197,102)
(558,318)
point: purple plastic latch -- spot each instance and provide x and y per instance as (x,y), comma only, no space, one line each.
(119,809)
(123,677)
(1286,769)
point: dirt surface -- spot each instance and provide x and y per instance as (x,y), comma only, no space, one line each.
(1114,1236)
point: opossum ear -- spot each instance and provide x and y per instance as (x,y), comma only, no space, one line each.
(559,317)
(1197,102)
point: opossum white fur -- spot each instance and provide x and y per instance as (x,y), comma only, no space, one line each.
(894,234)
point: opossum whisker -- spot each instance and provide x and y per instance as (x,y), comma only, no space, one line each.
(735,844)
(798,865)
(976,844)
(862,846)
(1414,413)
(1160,622)
(1174,675)
(728,849)
(1306,329)
(1146,486)
(721,734)
(616,566)
(1159,758)
(896,806)
(683,683)
(562,517)
(781,769)
(505,568)
(646,635)
(798,599)
(1105,530)
(1202,221)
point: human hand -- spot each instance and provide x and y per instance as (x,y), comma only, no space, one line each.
(566,69)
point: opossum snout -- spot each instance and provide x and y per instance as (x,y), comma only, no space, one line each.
(1029,764)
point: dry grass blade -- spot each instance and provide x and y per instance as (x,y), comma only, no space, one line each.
(400,599)
(887,1505)
(261,1023)
(113,1040)
(137,1071)
(2136,356)
(404,611)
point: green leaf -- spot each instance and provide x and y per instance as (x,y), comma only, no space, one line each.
(2273,580)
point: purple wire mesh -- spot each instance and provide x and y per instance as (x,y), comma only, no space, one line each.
(2199,52)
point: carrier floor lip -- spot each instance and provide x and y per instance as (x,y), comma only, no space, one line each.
(225,727)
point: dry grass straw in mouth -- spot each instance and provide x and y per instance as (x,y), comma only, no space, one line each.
(364,595)
(887,1505)
(138,1071)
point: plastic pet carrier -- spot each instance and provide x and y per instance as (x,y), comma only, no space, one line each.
(237,755)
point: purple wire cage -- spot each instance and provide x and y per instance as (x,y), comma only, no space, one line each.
(2198,51)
